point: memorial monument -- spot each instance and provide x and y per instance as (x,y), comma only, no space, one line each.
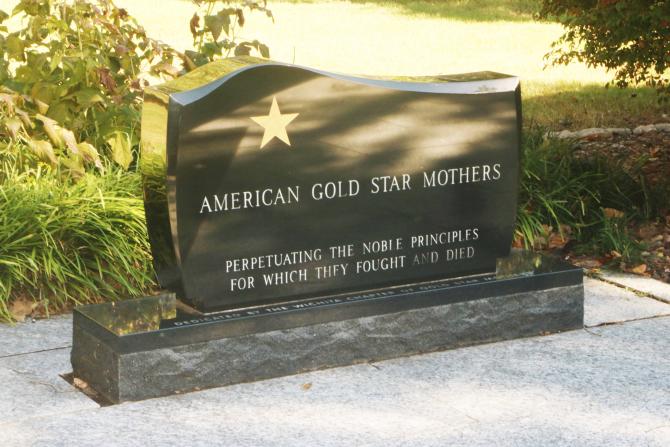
(301,219)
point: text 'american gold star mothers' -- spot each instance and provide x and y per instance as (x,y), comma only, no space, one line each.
(275,123)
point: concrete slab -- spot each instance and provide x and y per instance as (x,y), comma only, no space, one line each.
(658,289)
(607,303)
(40,335)
(45,367)
(606,386)
(31,387)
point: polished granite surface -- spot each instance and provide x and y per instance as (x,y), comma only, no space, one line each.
(257,173)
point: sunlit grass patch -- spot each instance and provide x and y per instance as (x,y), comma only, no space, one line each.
(467,10)
(572,105)
(424,37)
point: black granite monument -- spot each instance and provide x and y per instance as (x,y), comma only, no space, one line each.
(306,219)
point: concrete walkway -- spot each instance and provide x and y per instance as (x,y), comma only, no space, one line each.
(606,385)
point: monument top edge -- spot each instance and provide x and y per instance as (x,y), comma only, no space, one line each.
(204,79)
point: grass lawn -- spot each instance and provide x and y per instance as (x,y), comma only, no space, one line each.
(418,37)
(469,10)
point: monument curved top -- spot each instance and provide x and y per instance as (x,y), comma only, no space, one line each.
(203,80)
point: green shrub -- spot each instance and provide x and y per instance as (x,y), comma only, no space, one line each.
(72,226)
(614,237)
(568,193)
(555,191)
(74,72)
(217,34)
(631,37)
(67,243)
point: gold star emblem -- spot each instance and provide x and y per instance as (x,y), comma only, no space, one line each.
(275,123)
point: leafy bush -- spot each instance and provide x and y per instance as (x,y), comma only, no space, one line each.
(554,190)
(631,37)
(74,72)
(615,237)
(72,224)
(567,195)
(69,243)
(217,34)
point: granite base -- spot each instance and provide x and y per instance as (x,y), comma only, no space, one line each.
(147,348)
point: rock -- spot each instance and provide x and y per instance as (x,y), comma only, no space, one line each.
(644,129)
(562,135)
(597,133)
(593,133)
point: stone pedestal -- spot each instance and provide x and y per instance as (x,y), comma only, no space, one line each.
(150,347)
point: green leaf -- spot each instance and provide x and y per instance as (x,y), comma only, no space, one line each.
(63,111)
(74,166)
(224,15)
(121,149)
(56,57)
(15,47)
(211,49)
(215,25)
(126,63)
(25,118)
(197,58)
(44,151)
(86,97)
(90,153)
(3,16)
(44,91)
(18,8)
(42,107)
(51,128)
(13,125)
(166,67)
(114,64)
(261,48)
(70,140)
(242,50)
(264,50)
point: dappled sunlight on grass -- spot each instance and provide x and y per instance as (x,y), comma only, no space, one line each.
(426,37)
(423,37)
(467,10)
(366,38)
(574,105)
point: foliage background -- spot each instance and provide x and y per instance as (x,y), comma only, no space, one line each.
(72,227)
(629,37)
